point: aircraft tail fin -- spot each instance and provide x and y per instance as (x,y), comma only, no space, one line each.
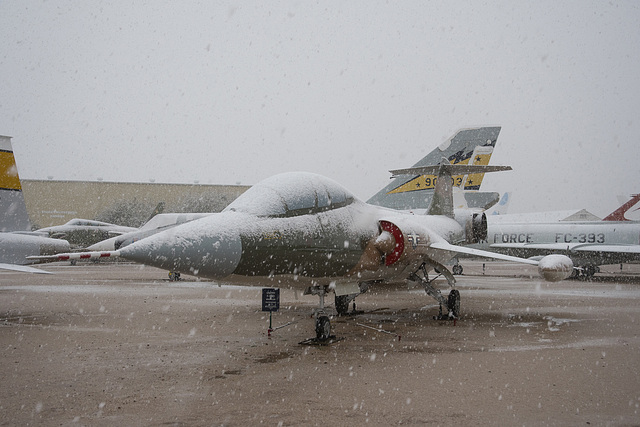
(626,212)
(472,146)
(502,207)
(157,211)
(442,201)
(13,210)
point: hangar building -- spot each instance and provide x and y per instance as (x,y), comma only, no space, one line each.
(56,202)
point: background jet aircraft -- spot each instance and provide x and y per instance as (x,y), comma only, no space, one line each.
(15,247)
(81,233)
(473,146)
(156,224)
(589,244)
(312,231)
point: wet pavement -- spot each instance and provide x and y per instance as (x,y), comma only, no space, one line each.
(119,344)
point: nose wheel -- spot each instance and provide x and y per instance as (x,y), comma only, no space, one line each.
(323,328)
(323,323)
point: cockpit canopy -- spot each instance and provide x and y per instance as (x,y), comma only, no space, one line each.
(292,194)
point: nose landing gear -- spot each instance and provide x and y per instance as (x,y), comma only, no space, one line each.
(323,322)
(323,329)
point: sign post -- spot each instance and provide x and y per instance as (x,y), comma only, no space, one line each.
(270,303)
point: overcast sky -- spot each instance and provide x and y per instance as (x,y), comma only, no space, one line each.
(233,92)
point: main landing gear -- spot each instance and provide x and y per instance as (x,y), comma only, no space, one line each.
(585,272)
(452,302)
(457,270)
(343,301)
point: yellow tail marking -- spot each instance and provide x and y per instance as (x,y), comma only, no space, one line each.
(428,182)
(476,179)
(9,179)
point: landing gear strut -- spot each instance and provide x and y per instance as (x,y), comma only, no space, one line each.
(452,302)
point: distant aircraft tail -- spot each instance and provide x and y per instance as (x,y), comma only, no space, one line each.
(629,211)
(502,207)
(157,211)
(13,210)
(467,147)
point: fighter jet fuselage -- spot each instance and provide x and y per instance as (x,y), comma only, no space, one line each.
(320,232)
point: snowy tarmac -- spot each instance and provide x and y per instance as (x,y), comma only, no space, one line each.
(118,344)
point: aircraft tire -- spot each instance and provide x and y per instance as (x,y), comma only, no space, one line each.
(457,269)
(453,302)
(342,304)
(323,328)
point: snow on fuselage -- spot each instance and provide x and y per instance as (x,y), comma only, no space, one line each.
(292,224)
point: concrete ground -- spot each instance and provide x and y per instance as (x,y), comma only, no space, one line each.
(120,345)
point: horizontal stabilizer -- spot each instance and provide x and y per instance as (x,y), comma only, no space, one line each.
(442,201)
(449,169)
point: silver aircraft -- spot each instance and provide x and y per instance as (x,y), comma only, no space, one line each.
(467,146)
(589,244)
(14,220)
(309,231)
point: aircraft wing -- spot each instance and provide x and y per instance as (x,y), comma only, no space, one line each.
(633,249)
(23,268)
(443,245)
(571,247)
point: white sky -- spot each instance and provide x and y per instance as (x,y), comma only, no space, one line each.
(221,92)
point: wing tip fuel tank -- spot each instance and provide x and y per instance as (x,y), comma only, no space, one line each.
(555,267)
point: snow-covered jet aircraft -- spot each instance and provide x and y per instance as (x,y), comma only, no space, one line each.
(471,146)
(466,146)
(81,233)
(14,246)
(589,244)
(309,229)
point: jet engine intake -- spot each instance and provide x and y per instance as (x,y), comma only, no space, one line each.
(474,223)
(401,242)
(479,227)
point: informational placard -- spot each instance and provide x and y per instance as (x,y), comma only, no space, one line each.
(270,299)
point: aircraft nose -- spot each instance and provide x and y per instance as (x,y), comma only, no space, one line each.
(209,247)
